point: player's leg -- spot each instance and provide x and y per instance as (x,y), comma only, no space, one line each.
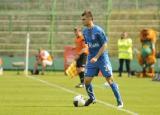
(80,71)
(45,63)
(120,67)
(89,90)
(43,67)
(81,77)
(35,67)
(80,68)
(89,74)
(107,73)
(115,90)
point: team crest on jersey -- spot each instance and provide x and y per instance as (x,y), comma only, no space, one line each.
(93,37)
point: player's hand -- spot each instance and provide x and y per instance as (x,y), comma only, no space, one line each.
(93,60)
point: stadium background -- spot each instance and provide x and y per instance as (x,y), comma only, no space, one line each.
(51,22)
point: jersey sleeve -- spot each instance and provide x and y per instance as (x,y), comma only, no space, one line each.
(102,37)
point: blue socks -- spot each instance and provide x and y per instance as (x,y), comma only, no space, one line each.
(114,87)
(116,92)
(90,92)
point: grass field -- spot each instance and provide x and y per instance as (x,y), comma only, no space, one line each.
(52,94)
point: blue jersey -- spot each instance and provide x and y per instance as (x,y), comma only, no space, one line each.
(96,38)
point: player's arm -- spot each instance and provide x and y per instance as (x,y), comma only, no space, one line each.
(103,40)
(44,55)
(100,52)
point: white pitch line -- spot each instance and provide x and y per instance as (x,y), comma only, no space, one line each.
(76,93)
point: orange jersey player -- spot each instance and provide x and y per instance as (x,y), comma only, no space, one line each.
(81,47)
(81,55)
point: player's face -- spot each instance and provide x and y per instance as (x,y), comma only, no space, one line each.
(124,35)
(85,21)
(78,33)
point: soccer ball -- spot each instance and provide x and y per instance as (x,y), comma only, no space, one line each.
(78,101)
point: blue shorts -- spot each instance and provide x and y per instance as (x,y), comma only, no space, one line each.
(103,65)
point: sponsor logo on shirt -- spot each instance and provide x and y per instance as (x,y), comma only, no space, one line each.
(93,45)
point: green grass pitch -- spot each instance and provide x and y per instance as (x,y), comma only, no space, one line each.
(52,94)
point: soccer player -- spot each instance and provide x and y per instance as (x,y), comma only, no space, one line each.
(43,58)
(1,66)
(97,59)
(81,55)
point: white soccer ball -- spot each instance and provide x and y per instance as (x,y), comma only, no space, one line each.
(78,101)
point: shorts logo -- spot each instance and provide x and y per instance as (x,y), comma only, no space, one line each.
(106,68)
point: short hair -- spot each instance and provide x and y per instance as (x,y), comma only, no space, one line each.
(88,14)
(77,29)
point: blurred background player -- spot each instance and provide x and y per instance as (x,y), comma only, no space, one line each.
(81,55)
(42,58)
(97,59)
(1,67)
(125,53)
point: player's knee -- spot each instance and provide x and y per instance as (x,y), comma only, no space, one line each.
(87,80)
(109,80)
